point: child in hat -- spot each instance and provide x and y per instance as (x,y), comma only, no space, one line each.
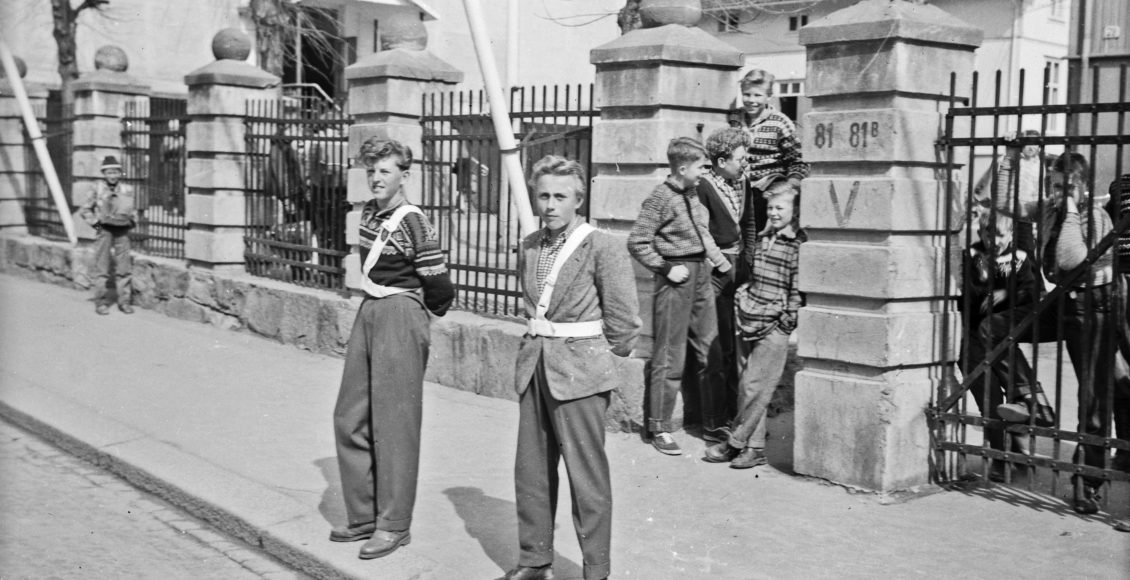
(109,208)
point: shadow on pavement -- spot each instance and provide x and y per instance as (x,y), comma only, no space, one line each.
(331,506)
(493,523)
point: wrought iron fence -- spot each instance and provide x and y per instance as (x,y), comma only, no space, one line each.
(297,162)
(57,126)
(465,194)
(1042,392)
(153,162)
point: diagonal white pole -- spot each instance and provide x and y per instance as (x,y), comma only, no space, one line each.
(500,116)
(32,125)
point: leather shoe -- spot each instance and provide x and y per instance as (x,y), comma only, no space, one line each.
(384,543)
(530,573)
(102,309)
(749,457)
(665,443)
(1086,499)
(353,533)
(125,308)
(716,435)
(720,453)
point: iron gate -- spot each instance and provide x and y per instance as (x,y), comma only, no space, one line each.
(297,162)
(1029,348)
(57,127)
(465,195)
(153,161)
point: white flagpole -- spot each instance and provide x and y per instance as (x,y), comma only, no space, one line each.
(32,125)
(500,116)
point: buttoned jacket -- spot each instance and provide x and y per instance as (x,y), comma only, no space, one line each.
(596,282)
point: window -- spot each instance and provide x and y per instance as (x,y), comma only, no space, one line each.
(790,88)
(376,36)
(1054,98)
(796,22)
(728,22)
(1056,10)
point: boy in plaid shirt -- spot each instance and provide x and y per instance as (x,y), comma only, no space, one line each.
(766,314)
(671,237)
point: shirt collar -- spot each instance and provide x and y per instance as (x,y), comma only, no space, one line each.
(549,238)
(670,181)
(788,232)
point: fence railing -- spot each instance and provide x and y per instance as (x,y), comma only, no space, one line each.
(57,127)
(153,162)
(465,195)
(296,171)
(1041,395)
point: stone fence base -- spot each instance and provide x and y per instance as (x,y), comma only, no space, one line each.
(468,352)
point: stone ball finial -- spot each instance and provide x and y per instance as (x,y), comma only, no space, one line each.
(405,30)
(655,13)
(111,58)
(21,68)
(231,44)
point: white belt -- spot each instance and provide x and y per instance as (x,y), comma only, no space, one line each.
(549,329)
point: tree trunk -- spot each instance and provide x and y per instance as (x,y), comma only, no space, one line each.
(272,27)
(629,17)
(65,21)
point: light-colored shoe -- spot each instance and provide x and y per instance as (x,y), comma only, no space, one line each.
(665,443)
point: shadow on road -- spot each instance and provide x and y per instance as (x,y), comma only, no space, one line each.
(493,523)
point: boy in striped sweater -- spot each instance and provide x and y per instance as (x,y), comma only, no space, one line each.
(671,237)
(379,407)
(767,308)
(774,146)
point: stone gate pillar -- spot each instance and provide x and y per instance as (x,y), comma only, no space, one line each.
(386,93)
(872,270)
(16,153)
(653,84)
(100,103)
(215,147)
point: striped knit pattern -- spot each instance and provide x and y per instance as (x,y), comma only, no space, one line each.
(774,148)
(665,230)
(412,258)
(770,299)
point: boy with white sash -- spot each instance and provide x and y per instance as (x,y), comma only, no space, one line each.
(379,406)
(580,296)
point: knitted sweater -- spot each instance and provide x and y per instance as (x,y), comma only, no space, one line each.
(411,259)
(673,224)
(774,148)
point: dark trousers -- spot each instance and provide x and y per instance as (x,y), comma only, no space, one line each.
(1122,373)
(112,245)
(764,365)
(1009,379)
(1092,350)
(549,430)
(379,408)
(683,313)
(719,393)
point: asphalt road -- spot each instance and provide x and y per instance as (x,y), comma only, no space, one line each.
(61,517)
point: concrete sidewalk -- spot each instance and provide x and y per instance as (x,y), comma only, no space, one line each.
(238,431)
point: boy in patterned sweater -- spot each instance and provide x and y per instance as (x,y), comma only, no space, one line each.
(379,407)
(774,147)
(671,237)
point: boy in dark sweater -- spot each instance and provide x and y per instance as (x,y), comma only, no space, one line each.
(671,237)
(721,192)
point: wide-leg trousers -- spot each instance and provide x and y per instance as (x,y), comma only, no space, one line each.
(763,368)
(112,246)
(379,409)
(549,430)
